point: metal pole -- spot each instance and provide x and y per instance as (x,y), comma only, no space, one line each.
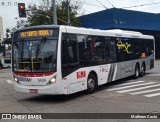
(54,12)
(68,13)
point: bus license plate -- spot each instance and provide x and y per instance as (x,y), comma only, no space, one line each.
(33,91)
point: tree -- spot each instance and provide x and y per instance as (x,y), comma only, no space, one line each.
(42,14)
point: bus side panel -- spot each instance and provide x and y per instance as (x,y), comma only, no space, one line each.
(77,80)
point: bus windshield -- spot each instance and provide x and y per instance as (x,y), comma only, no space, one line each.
(35,55)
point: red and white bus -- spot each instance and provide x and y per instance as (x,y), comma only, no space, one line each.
(65,60)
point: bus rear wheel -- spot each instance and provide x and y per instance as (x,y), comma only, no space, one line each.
(142,70)
(136,73)
(91,84)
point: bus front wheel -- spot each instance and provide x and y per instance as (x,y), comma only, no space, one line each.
(91,84)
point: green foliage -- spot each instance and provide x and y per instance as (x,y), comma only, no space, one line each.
(42,15)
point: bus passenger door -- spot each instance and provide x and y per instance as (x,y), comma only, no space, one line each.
(70,64)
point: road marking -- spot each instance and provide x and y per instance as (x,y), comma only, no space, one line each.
(153,75)
(147,91)
(152,95)
(130,86)
(130,83)
(140,88)
(9,82)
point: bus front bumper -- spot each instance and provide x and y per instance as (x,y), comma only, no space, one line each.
(48,89)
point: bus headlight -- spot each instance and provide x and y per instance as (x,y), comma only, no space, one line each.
(15,79)
(53,80)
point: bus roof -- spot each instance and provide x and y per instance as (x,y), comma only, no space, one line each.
(80,30)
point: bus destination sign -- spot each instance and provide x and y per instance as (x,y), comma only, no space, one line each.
(36,33)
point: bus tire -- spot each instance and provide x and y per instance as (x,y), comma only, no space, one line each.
(143,70)
(136,72)
(1,66)
(91,83)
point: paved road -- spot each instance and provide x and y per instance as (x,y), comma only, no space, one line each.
(125,96)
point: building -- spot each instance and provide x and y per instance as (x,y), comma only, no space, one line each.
(1,30)
(147,23)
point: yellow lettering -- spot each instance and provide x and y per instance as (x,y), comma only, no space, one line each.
(23,34)
(31,33)
(36,33)
(43,33)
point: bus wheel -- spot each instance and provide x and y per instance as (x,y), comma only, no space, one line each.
(136,73)
(142,70)
(1,67)
(91,84)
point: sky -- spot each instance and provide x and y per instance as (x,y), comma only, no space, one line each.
(9,9)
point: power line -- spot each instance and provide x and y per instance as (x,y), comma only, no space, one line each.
(111,4)
(93,5)
(141,5)
(102,4)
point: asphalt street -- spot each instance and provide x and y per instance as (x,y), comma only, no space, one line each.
(128,95)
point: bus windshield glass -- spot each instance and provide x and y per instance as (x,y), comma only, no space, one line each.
(35,54)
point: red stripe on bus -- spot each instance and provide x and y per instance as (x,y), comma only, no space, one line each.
(35,74)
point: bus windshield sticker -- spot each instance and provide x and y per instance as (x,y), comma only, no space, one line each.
(29,45)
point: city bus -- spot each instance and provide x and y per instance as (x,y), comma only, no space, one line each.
(56,60)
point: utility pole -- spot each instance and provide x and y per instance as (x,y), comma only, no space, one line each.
(54,12)
(68,13)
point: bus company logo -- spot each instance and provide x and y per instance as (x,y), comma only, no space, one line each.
(6,116)
(28,79)
(104,69)
(126,46)
(42,80)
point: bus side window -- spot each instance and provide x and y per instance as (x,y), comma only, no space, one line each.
(120,50)
(69,54)
(91,50)
(149,47)
(136,48)
(85,57)
(69,50)
(143,46)
(109,50)
(97,49)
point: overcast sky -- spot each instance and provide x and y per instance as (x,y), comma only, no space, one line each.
(9,9)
